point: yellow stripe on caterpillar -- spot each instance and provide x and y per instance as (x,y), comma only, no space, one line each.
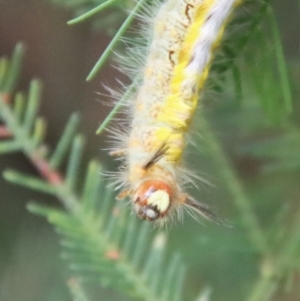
(185,35)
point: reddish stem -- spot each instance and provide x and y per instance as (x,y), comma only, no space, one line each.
(113,254)
(5,97)
(4,132)
(48,173)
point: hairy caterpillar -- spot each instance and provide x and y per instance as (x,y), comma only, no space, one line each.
(185,34)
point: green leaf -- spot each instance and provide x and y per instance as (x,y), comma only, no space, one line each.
(34,97)
(19,107)
(28,181)
(114,41)
(91,186)
(281,64)
(13,69)
(65,141)
(39,131)
(74,163)
(3,69)
(42,210)
(91,12)
(9,147)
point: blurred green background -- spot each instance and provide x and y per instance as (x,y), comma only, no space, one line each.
(218,257)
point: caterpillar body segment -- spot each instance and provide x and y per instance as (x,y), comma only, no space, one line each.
(185,35)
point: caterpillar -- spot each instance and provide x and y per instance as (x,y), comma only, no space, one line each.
(185,35)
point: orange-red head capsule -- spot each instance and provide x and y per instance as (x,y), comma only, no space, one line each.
(152,199)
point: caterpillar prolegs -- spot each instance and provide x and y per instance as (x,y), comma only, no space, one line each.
(185,35)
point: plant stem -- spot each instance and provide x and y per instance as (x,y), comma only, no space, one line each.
(31,151)
(91,12)
(114,41)
(71,201)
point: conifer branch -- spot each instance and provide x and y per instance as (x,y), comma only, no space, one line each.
(104,243)
(98,242)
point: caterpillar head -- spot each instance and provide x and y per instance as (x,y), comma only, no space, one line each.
(152,199)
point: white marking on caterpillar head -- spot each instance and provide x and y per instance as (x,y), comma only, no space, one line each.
(152,199)
(159,199)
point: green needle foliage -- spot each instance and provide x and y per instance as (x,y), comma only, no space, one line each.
(100,241)
(91,12)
